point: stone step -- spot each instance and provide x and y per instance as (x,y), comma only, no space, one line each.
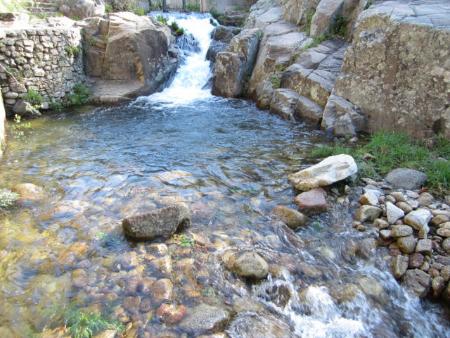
(315,71)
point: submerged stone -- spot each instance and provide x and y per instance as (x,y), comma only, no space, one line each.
(160,223)
(205,319)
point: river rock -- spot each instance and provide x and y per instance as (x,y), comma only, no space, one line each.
(418,282)
(424,246)
(405,207)
(401,231)
(367,213)
(393,213)
(29,192)
(81,9)
(161,290)
(284,102)
(399,265)
(437,286)
(253,325)
(160,223)
(371,287)
(415,260)
(79,278)
(25,109)
(409,179)
(171,313)
(234,66)
(406,244)
(330,170)
(292,218)
(312,201)
(249,265)
(369,198)
(446,245)
(419,220)
(204,319)
(443,232)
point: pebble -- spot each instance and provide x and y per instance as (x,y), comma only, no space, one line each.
(381,223)
(171,313)
(292,218)
(419,220)
(446,245)
(312,201)
(399,265)
(401,231)
(416,260)
(407,244)
(424,246)
(367,213)
(405,207)
(393,213)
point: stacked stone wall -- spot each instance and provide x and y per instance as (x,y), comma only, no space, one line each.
(48,60)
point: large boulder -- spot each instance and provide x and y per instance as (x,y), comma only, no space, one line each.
(81,9)
(403,178)
(396,70)
(234,66)
(129,48)
(160,223)
(325,16)
(330,170)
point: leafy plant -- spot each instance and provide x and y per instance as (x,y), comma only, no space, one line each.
(340,26)
(56,105)
(109,8)
(390,150)
(276,81)
(33,97)
(86,324)
(184,241)
(7,198)
(177,30)
(73,51)
(79,96)
(161,19)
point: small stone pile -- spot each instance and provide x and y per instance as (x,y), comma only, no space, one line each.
(415,226)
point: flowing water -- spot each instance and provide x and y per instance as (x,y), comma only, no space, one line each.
(229,162)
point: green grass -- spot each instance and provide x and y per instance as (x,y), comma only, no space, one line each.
(317,41)
(275,80)
(83,324)
(73,51)
(309,15)
(79,96)
(184,241)
(139,11)
(389,150)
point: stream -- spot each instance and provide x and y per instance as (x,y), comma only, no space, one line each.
(229,162)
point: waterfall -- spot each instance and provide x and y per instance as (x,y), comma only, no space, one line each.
(195,71)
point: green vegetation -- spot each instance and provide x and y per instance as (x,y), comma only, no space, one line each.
(275,79)
(309,15)
(316,41)
(79,96)
(193,7)
(161,19)
(340,26)
(87,324)
(18,128)
(7,198)
(33,98)
(73,51)
(138,11)
(109,8)
(386,151)
(177,30)
(7,6)
(184,241)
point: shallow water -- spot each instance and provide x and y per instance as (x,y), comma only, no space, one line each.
(229,162)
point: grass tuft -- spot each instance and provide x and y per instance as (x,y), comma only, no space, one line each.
(388,151)
(87,324)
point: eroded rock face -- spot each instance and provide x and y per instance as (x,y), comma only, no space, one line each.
(329,171)
(396,70)
(161,223)
(127,47)
(234,66)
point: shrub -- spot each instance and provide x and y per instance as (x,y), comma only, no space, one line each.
(87,324)
(33,97)
(177,30)
(340,26)
(275,80)
(73,51)
(7,198)
(109,8)
(161,19)
(79,96)
(56,105)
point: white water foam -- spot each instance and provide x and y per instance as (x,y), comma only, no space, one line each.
(192,76)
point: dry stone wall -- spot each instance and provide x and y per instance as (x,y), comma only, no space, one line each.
(46,59)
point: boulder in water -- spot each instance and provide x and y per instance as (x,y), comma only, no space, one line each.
(312,201)
(160,223)
(29,192)
(418,281)
(292,218)
(253,325)
(330,170)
